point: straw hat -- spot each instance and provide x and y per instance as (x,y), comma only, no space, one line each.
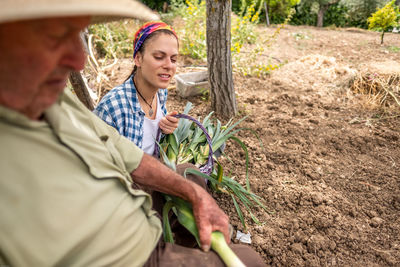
(101,10)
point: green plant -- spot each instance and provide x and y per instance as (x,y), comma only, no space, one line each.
(184,213)
(189,143)
(107,43)
(384,18)
(251,64)
(112,40)
(193,16)
(394,49)
(243,26)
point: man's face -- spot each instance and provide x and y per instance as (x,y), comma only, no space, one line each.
(36,58)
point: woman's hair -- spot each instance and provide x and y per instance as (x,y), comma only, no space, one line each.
(146,41)
(147,32)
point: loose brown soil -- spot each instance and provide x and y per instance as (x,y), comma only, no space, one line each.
(329,168)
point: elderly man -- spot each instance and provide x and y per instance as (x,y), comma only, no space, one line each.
(66,195)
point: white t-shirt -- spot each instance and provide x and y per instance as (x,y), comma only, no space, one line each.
(150,129)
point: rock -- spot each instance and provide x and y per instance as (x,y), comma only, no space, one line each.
(316,242)
(257,240)
(297,248)
(332,245)
(317,198)
(376,221)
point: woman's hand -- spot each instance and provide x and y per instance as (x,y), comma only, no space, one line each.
(169,123)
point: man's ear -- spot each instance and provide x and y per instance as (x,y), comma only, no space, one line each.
(138,59)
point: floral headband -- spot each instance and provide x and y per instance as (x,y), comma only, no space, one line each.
(147,29)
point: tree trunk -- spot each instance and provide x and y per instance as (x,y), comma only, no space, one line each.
(266,11)
(77,82)
(321,13)
(80,89)
(383,32)
(222,92)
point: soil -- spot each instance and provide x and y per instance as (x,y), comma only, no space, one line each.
(329,166)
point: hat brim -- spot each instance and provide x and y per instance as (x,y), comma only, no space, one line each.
(99,10)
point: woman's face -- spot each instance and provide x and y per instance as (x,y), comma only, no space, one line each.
(157,64)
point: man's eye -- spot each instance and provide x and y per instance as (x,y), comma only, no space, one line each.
(55,39)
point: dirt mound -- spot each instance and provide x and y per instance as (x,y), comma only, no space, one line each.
(316,72)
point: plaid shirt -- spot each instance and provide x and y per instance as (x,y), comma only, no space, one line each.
(121,109)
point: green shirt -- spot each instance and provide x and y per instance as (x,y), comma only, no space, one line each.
(65,192)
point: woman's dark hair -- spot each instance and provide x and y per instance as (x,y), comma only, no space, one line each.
(143,47)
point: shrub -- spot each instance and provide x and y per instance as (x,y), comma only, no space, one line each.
(384,18)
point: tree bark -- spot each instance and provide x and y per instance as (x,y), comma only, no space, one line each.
(80,89)
(222,92)
(77,82)
(321,13)
(266,6)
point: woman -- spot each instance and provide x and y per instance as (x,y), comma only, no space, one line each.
(137,108)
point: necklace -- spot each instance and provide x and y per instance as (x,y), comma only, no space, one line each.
(151,108)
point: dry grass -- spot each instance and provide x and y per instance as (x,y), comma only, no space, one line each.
(380,91)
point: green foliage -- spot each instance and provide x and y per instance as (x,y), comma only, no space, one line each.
(279,10)
(394,49)
(336,15)
(243,27)
(345,13)
(384,18)
(112,40)
(304,15)
(193,16)
(188,143)
(251,64)
(154,4)
(359,11)
(184,213)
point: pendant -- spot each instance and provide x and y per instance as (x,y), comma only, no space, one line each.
(150,112)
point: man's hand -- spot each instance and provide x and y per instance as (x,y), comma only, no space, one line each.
(209,217)
(169,123)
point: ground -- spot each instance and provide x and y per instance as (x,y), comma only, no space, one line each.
(329,167)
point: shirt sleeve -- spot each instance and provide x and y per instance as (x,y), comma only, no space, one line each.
(102,112)
(130,153)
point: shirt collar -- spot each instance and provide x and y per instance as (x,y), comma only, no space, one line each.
(14,117)
(130,92)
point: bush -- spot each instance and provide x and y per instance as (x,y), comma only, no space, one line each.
(193,15)
(384,18)
(336,15)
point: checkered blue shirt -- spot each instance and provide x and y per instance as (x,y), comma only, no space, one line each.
(121,109)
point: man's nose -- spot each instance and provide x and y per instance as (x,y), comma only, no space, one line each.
(74,55)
